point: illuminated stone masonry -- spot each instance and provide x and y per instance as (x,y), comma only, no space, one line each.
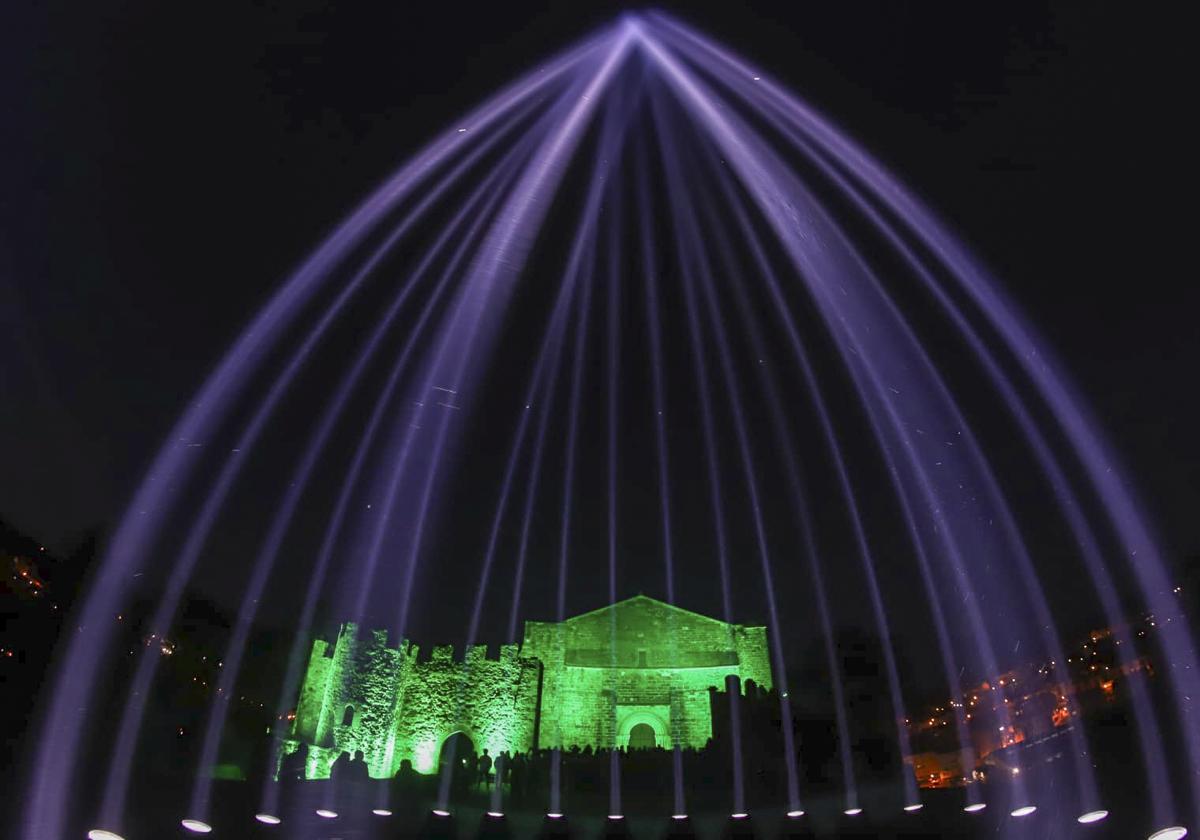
(639,668)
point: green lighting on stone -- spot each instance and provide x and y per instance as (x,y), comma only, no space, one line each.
(423,757)
(636,673)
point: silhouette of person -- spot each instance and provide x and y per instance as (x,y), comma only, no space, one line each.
(405,776)
(356,768)
(502,765)
(336,770)
(516,776)
(484,766)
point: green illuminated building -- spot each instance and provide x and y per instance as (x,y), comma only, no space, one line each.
(636,673)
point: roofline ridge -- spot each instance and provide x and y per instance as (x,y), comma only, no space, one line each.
(644,597)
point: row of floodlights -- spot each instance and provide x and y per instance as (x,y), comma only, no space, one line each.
(1175,832)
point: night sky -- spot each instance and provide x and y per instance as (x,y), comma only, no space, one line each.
(165,169)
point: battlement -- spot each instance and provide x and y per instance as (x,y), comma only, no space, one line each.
(348,638)
(474,654)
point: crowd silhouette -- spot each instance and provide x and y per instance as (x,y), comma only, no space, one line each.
(522,780)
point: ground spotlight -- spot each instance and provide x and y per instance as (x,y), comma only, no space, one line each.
(327,813)
(975,808)
(916,806)
(1175,832)
(196,826)
(268,819)
(1092,816)
(796,813)
(381,812)
(101,834)
(1023,811)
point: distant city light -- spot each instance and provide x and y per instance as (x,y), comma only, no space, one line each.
(1092,816)
(1175,832)
(196,826)
(327,813)
(916,806)
(381,812)
(1024,811)
(269,819)
(975,808)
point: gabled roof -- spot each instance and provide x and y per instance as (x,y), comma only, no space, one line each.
(640,599)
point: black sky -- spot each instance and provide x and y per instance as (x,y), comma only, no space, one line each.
(166,166)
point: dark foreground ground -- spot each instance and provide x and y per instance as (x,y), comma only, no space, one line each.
(234,806)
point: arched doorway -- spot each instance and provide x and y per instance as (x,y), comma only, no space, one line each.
(459,749)
(642,737)
(639,719)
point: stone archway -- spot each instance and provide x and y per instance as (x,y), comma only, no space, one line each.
(653,717)
(458,747)
(642,737)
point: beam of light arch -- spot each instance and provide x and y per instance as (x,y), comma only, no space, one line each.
(848,297)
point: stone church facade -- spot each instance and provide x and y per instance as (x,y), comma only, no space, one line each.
(639,672)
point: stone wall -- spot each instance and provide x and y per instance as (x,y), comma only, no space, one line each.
(361,694)
(639,653)
(600,673)
(754,658)
(491,701)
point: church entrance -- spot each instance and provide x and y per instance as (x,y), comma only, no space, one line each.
(641,737)
(643,727)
